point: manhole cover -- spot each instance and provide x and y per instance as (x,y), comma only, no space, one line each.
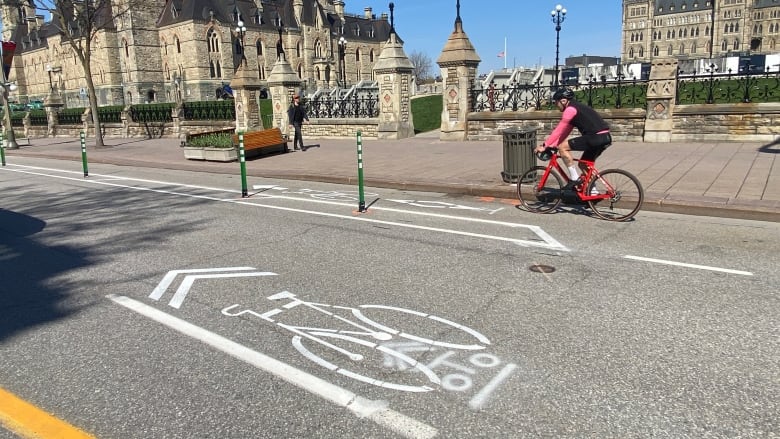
(541,268)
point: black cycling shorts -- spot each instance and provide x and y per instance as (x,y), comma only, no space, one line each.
(592,145)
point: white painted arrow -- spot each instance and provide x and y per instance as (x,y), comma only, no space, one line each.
(184,288)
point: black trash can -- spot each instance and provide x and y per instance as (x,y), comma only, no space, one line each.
(519,155)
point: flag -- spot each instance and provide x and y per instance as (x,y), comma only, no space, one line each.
(8,55)
(501,54)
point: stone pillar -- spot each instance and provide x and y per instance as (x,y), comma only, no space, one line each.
(246,89)
(52,105)
(283,83)
(661,91)
(458,63)
(393,71)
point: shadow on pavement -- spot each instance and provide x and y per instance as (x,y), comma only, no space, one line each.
(51,269)
(772,148)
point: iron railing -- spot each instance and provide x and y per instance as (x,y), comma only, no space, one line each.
(209,110)
(595,92)
(356,106)
(711,87)
(38,118)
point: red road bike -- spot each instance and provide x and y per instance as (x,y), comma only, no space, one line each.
(613,194)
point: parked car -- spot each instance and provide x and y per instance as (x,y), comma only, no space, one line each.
(35,105)
(15,106)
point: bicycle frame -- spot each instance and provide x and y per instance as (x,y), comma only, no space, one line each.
(590,174)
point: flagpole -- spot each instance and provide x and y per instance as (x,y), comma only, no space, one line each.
(504,53)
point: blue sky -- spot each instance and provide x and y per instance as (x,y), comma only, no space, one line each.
(591,27)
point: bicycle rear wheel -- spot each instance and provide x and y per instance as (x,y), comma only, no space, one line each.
(539,199)
(625,195)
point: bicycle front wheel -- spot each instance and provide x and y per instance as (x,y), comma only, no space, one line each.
(538,193)
(625,195)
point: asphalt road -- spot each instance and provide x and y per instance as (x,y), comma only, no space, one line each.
(427,316)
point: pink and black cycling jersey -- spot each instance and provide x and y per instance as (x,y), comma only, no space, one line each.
(578,115)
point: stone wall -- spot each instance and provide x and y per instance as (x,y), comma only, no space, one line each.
(695,123)
(324,128)
(627,125)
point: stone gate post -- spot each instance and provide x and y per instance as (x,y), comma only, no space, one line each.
(283,83)
(661,91)
(458,63)
(246,90)
(393,71)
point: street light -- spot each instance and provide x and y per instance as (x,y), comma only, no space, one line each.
(342,63)
(241,31)
(558,16)
(5,87)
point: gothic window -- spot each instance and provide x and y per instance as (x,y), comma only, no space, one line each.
(317,73)
(631,53)
(641,52)
(300,70)
(257,18)
(736,44)
(356,30)
(693,47)
(707,31)
(259,47)
(212,70)
(723,45)
(673,33)
(371,32)
(178,44)
(298,49)
(669,50)
(736,27)
(317,49)
(641,36)
(682,49)
(371,56)
(237,15)
(261,72)
(164,46)
(277,20)
(357,55)
(213,41)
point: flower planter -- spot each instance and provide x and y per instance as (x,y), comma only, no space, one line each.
(211,154)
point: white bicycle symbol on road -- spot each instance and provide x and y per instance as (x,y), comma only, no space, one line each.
(361,338)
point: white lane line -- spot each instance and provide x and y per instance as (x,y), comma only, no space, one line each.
(480,399)
(547,241)
(376,411)
(683,264)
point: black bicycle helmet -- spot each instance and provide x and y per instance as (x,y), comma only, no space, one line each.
(562,93)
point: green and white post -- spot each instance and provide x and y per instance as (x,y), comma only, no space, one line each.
(84,153)
(242,160)
(2,146)
(361,191)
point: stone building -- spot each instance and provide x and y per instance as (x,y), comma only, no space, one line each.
(699,29)
(159,51)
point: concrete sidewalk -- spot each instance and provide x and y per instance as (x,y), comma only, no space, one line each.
(740,180)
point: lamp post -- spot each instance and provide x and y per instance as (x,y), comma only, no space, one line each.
(241,32)
(51,85)
(558,16)
(342,63)
(5,87)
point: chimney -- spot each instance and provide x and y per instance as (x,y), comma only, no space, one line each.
(339,8)
(383,16)
(368,10)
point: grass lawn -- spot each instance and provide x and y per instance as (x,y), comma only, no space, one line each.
(426,113)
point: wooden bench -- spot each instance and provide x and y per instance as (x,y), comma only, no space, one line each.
(263,142)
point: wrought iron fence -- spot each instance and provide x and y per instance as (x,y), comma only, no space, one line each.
(209,110)
(594,91)
(110,113)
(711,87)
(38,118)
(70,116)
(151,112)
(330,107)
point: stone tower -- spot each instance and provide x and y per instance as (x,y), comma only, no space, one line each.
(138,65)
(393,72)
(458,63)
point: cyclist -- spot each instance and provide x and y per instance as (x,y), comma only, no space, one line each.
(594,133)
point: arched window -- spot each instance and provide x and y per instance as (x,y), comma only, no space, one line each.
(693,47)
(655,51)
(300,70)
(371,55)
(178,44)
(669,50)
(213,41)
(317,49)
(682,49)
(259,47)
(357,55)
(736,44)
(723,45)
(317,73)
(298,49)
(631,53)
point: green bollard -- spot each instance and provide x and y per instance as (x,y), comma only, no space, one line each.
(361,191)
(84,153)
(242,160)
(2,146)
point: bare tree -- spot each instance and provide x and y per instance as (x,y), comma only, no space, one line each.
(79,22)
(422,66)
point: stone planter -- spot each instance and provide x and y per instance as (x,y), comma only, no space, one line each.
(211,154)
